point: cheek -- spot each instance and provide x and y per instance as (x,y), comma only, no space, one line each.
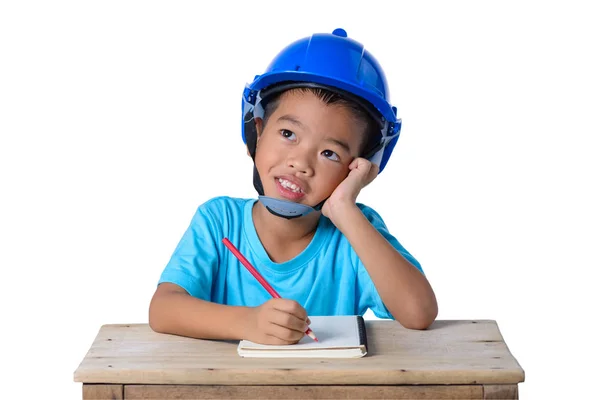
(265,157)
(337,176)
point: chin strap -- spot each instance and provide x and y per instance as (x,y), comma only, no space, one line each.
(288,209)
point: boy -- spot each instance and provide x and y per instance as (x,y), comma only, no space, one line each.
(319,128)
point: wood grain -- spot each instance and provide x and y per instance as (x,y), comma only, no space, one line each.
(498,392)
(136,392)
(102,392)
(449,353)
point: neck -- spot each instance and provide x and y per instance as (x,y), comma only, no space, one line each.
(277,233)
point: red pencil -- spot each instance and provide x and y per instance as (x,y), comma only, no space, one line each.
(259,278)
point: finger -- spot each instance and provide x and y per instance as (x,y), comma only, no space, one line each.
(368,170)
(288,321)
(278,342)
(284,334)
(374,169)
(307,321)
(290,307)
(362,167)
(373,173)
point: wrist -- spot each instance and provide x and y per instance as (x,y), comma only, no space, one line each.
(341,214)
(240,322)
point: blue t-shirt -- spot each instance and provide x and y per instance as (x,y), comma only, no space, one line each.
(326,278)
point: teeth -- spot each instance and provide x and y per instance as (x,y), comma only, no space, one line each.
(289,185)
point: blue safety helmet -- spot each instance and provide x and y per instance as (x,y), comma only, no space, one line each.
(333,62)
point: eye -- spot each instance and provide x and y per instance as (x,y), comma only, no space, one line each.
(287,134)
(331,155)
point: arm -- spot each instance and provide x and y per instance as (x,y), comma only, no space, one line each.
(174,311)
(181,304)
(404,290)
(277,321)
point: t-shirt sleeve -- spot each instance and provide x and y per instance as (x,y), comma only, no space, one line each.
(368,296)
(194,263)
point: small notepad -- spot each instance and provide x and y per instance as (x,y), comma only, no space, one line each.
(340,336)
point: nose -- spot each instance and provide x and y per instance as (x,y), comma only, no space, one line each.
(301,163)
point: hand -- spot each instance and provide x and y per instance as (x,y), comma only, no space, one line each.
(362,172)
(277,321)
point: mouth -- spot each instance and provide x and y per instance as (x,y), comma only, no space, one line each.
(288,189)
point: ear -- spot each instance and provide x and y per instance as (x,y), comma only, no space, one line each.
(259,127)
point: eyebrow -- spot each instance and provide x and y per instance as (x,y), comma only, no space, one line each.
(340,143)
(293,120)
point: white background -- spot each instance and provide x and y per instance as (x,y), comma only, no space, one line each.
(118,118)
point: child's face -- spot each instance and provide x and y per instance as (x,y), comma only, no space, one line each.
(304,151)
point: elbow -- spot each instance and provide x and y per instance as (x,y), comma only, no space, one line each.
(161,317)
(418,324)
(155,324)
(420,318)
(155,320)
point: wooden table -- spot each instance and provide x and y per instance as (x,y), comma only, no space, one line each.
(451,360)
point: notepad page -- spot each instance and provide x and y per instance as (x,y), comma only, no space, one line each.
(332,331)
